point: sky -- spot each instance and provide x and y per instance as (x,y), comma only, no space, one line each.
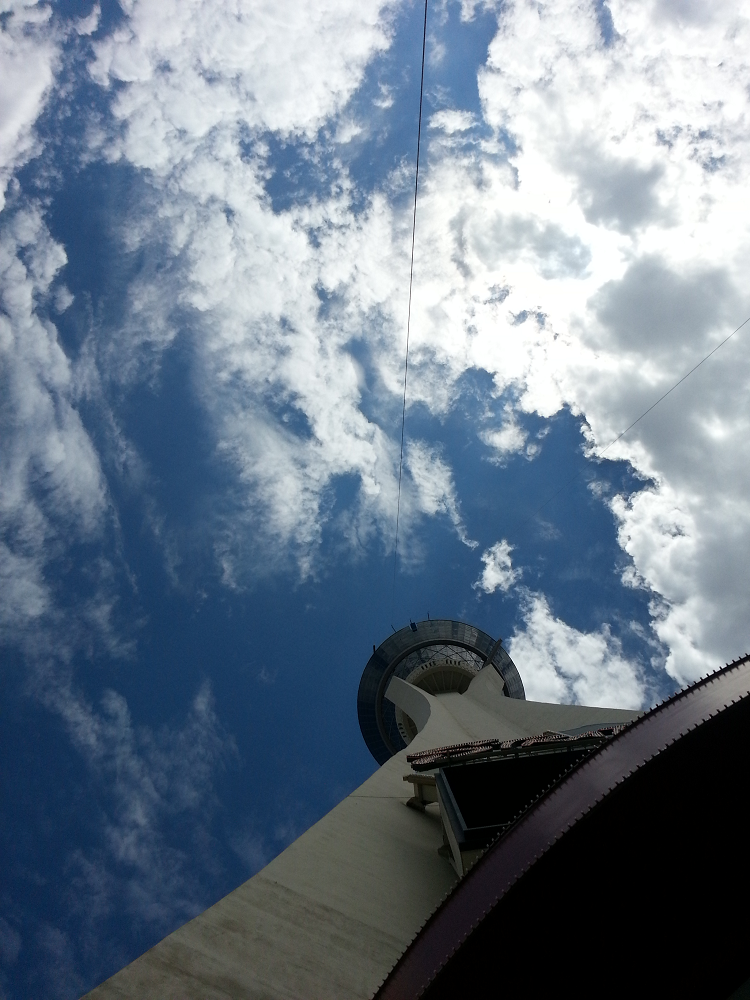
(205,229)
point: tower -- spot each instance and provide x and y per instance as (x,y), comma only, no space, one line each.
(495,833)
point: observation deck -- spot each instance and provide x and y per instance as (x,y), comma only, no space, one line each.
(438,656)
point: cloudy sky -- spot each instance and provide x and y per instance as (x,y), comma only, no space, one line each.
(204,264)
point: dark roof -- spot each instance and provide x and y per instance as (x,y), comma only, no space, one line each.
(629,876)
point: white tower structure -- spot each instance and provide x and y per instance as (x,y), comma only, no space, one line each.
(334,912)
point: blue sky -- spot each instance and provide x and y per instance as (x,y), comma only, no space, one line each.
(204,261)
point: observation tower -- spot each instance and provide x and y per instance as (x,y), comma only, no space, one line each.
(438,657)
(502,845)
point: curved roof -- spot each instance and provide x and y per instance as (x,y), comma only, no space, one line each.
(644,840)
(400,653)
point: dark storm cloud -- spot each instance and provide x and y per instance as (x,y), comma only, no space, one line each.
(654,308)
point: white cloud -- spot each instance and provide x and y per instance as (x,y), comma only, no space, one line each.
(433,485)
(28,54)
(506,440)
(88,25)
(590,271)
(143,777)
(618,239)
(451,121)
(559,664)
(193,66)
(277,378)
(52,491)
(498,572)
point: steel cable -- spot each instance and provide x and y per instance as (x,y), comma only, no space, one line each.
(408,315)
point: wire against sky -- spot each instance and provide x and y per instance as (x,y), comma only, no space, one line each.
(408,315)
(577,475)
(406,356)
